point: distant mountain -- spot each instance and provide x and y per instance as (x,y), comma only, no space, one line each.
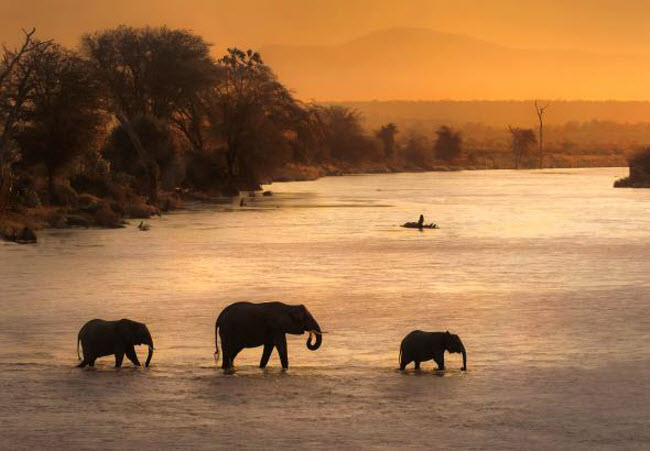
(413,64)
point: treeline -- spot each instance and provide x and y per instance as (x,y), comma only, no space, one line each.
(133,119)
(134,116)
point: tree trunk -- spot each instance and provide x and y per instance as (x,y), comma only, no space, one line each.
(147,163)
(5,186)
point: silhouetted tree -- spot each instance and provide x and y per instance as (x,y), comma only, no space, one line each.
(539,110)
(252,111)
(15,87)
(387,136)
(157,141)
(417,149)
(309,144)
(63,117)
(448,144)
(521,141)
(345,137)
(149,72)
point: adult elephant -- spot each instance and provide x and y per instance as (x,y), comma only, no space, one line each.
(419,346)
(248,325)
(99,338)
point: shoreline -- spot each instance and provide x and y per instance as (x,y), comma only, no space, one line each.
(93,212)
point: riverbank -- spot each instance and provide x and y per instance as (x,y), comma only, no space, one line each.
(86,210)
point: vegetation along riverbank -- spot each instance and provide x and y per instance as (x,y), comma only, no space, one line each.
(135,120)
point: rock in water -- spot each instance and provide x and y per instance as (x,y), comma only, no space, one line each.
(25,236)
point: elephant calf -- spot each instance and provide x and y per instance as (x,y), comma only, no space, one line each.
(99,338)
(419,346)
(247,325)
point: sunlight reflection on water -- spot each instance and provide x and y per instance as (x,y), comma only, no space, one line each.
(542,273)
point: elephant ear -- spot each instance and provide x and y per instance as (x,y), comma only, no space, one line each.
(126,328)
(288,320)
(299,315)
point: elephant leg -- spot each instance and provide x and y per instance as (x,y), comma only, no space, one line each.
(280,342)
(266,354)
(132,356)
(229,354)
(226,361)
(417,364)
(82,364)
(91,361)
(119,356)
(440,360)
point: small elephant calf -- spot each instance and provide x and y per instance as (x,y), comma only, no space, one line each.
(100,338)
(419,346)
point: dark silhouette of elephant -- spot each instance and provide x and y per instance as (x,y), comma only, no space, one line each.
(419,346)
(248,325)
(99,338)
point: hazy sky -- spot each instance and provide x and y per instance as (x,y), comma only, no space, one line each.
(595,26)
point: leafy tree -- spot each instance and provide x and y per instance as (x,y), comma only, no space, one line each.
(157,141)
(521,142)
(253,112)
(63,117)
(149,72)
(417,149)
(345,137)
(387,136)
(448,144)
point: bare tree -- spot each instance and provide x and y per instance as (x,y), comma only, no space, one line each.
(540,116)
(15,85)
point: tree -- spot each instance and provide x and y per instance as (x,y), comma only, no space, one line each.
(344,135)
(15,86)
(387,136)
(539,110)
(448,144)
(253,112)
(149,72)
(417,149)
(521,141)
(63,118)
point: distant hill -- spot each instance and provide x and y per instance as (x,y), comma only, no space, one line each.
(412,64)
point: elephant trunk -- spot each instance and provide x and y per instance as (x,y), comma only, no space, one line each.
(314,329)
(462,350)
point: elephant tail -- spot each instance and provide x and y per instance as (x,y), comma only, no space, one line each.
(216,342)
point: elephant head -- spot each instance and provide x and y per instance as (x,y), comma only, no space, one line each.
(300,321)
(454,344)
(135,333)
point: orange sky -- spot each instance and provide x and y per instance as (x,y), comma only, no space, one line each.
(596,26)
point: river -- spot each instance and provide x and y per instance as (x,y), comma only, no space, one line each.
(543,274)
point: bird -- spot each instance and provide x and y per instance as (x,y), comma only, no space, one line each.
(143,227)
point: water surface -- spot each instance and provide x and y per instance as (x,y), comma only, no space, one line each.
(544,275)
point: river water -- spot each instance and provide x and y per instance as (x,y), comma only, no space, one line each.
(543,274)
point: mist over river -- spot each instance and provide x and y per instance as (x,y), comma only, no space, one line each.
(543,274)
